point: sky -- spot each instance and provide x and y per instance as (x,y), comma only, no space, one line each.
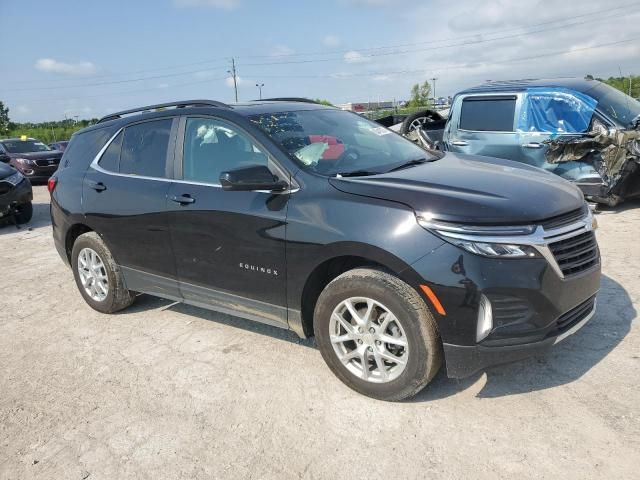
(89,58)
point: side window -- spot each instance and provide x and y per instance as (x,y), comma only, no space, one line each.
(111,157)
(556,111)
(212,147)
(488,114)
(144,148)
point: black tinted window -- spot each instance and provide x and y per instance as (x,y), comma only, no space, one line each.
(83,147)
(488,115)
(144,148)
(111,157)
(212,147)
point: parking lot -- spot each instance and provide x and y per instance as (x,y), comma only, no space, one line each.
(180,392)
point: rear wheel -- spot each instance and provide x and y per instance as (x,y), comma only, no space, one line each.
(98,276)
(377,335)
(24,213)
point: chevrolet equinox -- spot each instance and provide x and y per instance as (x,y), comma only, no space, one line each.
(317,220)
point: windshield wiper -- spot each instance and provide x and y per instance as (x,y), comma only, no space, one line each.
(410,163)
(356,173)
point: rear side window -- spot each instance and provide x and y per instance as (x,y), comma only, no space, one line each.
(83,147)
(145,147)
(492,114)
(110,159)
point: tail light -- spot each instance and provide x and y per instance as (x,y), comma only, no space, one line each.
(51,184)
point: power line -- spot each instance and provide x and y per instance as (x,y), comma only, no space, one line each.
(473,41)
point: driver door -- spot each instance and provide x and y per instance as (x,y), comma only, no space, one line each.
(229,245)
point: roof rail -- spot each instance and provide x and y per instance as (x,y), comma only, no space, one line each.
(287,99)
(183,104)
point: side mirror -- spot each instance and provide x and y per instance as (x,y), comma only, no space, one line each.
(255,177)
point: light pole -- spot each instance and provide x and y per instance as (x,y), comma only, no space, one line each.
(260,85)
(434,89)
(234,74)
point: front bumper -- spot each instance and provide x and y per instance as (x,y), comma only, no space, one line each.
(463,361)
(36,173)
(19,195)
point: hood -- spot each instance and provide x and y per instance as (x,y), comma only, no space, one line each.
(6,170)
(37,155)
(472,189)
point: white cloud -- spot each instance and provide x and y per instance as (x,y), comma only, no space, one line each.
(373,3)
(23,109)
(163,85)
(381,78)
(50,65)
(281,51)
(331,41)
(222,4)
(354,56)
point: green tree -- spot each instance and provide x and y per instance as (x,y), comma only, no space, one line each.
(4,119)
(627,84)
(420,95)
(322,101)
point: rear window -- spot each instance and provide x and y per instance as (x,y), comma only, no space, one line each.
(494,114)
(83,147)
(144,148)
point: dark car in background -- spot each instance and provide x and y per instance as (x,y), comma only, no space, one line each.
(397,260)
(60,146)
(35,160)
(15,196)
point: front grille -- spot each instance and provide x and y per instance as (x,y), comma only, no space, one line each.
(47,162)
(5,187)
(575,315)
(565,219)
(576,254)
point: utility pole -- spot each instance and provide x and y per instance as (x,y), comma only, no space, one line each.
(260,85)
(234,75)
(433,80)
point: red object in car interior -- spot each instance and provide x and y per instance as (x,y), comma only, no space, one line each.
(336,147)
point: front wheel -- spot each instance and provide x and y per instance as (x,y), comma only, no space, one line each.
(377,335)
(24,213)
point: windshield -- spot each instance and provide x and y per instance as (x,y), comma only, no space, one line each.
(334,142)
(615,104)
(24,146)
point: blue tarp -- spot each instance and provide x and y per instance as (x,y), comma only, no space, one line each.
(556,110)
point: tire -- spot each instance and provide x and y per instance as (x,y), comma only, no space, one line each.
(117,297)
(416,327)
(406,124)
(24,213)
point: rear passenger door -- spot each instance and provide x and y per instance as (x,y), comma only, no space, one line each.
(485,126)
(125,201)
(229,245)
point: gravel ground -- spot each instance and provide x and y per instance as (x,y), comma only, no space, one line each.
(172,391)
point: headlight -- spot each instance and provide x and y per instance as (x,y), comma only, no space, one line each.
(488,241)
(25,162)
(14,179)
(503,250)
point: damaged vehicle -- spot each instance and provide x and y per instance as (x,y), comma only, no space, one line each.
(15,196)
(582,130)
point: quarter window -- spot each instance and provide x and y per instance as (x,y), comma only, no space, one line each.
(488,114)
(110,159)
(212,147)
(145,147)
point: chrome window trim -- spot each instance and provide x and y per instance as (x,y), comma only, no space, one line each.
(95,165)
(540,239)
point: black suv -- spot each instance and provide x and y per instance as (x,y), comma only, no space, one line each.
(314,219)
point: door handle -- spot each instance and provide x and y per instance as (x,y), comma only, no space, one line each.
(183,199)
(460,143)
(533,145)
(97,186)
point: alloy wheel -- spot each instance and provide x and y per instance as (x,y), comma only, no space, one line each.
(93,274)
(369,340)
